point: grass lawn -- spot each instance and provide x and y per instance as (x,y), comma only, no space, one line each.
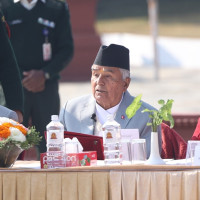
(177,18)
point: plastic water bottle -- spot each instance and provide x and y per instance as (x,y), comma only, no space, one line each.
(55,135)
(111,139)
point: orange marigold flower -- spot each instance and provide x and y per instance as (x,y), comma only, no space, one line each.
(8,125)
(4,131)
(21,128)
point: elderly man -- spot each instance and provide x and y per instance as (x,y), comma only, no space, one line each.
(110,80)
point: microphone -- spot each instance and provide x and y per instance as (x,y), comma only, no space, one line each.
(93,117)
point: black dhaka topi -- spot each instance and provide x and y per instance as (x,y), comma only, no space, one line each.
(113,56)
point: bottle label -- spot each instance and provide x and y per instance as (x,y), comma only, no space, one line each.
(54,136)
(110,136)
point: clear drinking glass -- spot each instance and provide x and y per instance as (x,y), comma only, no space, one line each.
(138,151)
(193,152)
(126,151)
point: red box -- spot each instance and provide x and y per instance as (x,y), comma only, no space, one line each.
(60,160)
(87,158)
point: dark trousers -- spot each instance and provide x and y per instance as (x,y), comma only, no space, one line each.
(39,107)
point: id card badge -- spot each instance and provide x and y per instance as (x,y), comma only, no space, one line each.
(46,51)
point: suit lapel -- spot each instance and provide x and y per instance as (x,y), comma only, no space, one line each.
(121,117)
(87,124)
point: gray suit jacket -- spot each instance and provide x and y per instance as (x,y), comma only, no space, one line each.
(6,112)
(76,117)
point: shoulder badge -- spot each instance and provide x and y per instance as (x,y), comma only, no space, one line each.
(3,19)
(6,25)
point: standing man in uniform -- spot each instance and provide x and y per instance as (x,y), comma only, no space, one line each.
(9,76)
(43,44)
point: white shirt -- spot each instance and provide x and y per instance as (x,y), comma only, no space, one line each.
(30,5)
(102,117)
(102,114)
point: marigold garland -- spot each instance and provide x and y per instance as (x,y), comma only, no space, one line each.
(5,131)
(21,128)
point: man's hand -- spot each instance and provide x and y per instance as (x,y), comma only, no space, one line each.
(34,80)
(19,115)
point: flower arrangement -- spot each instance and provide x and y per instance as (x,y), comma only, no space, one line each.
(11,132)
(14,138)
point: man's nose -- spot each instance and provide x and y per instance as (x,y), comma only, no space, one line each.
(100,79)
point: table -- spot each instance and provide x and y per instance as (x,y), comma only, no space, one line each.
(124,182)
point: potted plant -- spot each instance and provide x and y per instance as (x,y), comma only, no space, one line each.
(157,117)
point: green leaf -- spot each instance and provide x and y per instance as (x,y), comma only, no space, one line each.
(161,102)
(134,106)
(146,110)
(171,121)
(149,124)
(166,110)
(163,114)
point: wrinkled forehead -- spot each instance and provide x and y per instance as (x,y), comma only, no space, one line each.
(99,68)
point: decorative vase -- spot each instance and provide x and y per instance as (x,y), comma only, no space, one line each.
(155,158)
(8,155)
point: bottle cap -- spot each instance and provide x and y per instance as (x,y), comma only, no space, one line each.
(54,117)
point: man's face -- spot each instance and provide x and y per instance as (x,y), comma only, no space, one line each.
(108,85)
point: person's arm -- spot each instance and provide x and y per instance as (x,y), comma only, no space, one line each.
(9,73)
(6,112)
(19,115)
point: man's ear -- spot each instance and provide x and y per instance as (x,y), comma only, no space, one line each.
(126,83)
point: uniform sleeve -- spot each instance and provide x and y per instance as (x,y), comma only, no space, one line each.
(63,52)
(9,72)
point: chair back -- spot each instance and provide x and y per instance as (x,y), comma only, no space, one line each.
(173,145)
(196,134)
